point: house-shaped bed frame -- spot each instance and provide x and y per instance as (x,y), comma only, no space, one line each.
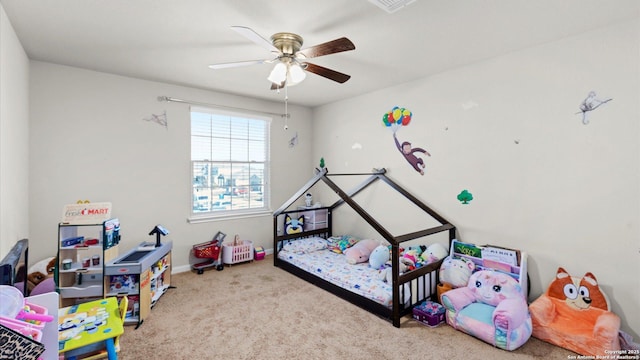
(423,280)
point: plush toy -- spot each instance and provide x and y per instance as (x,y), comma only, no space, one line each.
(293,226)
(494,287)
(417,249)
(574,314)
(39,275)
(386,273)
(360,252)
(578,293)
(379,256)
(40,271)
(411,257)
(456,271)
(433,253)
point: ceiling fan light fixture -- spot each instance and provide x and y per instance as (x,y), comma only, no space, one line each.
(296,73)
(278,74)
(289,70)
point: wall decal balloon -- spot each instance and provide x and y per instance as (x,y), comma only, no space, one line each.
(395,119)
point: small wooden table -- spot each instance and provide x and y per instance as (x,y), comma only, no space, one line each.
(85,326)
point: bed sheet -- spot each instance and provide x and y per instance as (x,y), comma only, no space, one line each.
(333,267)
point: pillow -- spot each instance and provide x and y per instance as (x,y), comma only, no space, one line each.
(338,244)
(306,245)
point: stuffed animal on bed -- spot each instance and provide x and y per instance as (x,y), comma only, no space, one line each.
(411,258)
(386,273)
(433,253)
(455,272)
(379,256)
(574,314)
(360,252)
(293,226)
(417,249)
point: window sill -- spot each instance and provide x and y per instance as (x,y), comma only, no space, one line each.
(195,219)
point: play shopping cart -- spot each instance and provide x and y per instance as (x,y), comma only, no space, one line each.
(207,254)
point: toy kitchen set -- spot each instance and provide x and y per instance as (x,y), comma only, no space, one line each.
(143,275)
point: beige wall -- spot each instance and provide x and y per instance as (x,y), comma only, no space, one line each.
(506,130)
(89,141)
(14,138)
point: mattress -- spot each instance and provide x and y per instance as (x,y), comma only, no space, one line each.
(333,267)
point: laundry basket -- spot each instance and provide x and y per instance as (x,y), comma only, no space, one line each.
(237,252)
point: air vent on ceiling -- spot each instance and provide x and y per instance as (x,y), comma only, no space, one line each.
(391,6)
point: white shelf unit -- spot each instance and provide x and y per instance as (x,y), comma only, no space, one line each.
(159,283)
(473,253)
(87,247)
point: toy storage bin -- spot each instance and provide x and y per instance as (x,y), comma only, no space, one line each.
(35,309)
(429,313)
(259,253)
(233,254)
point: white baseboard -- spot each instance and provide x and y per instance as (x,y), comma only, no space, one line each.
(185,268)
(180,269)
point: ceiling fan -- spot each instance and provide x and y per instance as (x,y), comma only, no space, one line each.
(290,59)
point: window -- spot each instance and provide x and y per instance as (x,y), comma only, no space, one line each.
(229,163)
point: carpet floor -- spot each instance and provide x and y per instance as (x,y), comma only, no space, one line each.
(258,311)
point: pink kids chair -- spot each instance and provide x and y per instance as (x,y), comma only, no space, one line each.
(492,307)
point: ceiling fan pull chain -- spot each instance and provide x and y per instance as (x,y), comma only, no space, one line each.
(286,108)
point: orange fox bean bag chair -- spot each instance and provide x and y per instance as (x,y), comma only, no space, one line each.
(574,314)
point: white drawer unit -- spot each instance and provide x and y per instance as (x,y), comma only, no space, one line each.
(314,218)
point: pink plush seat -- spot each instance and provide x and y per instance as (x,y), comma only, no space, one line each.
(492,307)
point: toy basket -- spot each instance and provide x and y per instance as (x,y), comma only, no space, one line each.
(429,313)
(237,252)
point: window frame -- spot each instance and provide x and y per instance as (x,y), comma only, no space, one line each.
(203,216)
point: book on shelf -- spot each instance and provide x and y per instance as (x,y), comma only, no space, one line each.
(497,265)
(500,255)
(467,249)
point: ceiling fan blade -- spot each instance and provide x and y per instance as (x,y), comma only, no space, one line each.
(255,37)
(325,72)
(237,64)
(330,47)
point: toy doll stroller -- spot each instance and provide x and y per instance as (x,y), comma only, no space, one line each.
(210,251)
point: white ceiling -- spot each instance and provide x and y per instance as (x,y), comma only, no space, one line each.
(174,41)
